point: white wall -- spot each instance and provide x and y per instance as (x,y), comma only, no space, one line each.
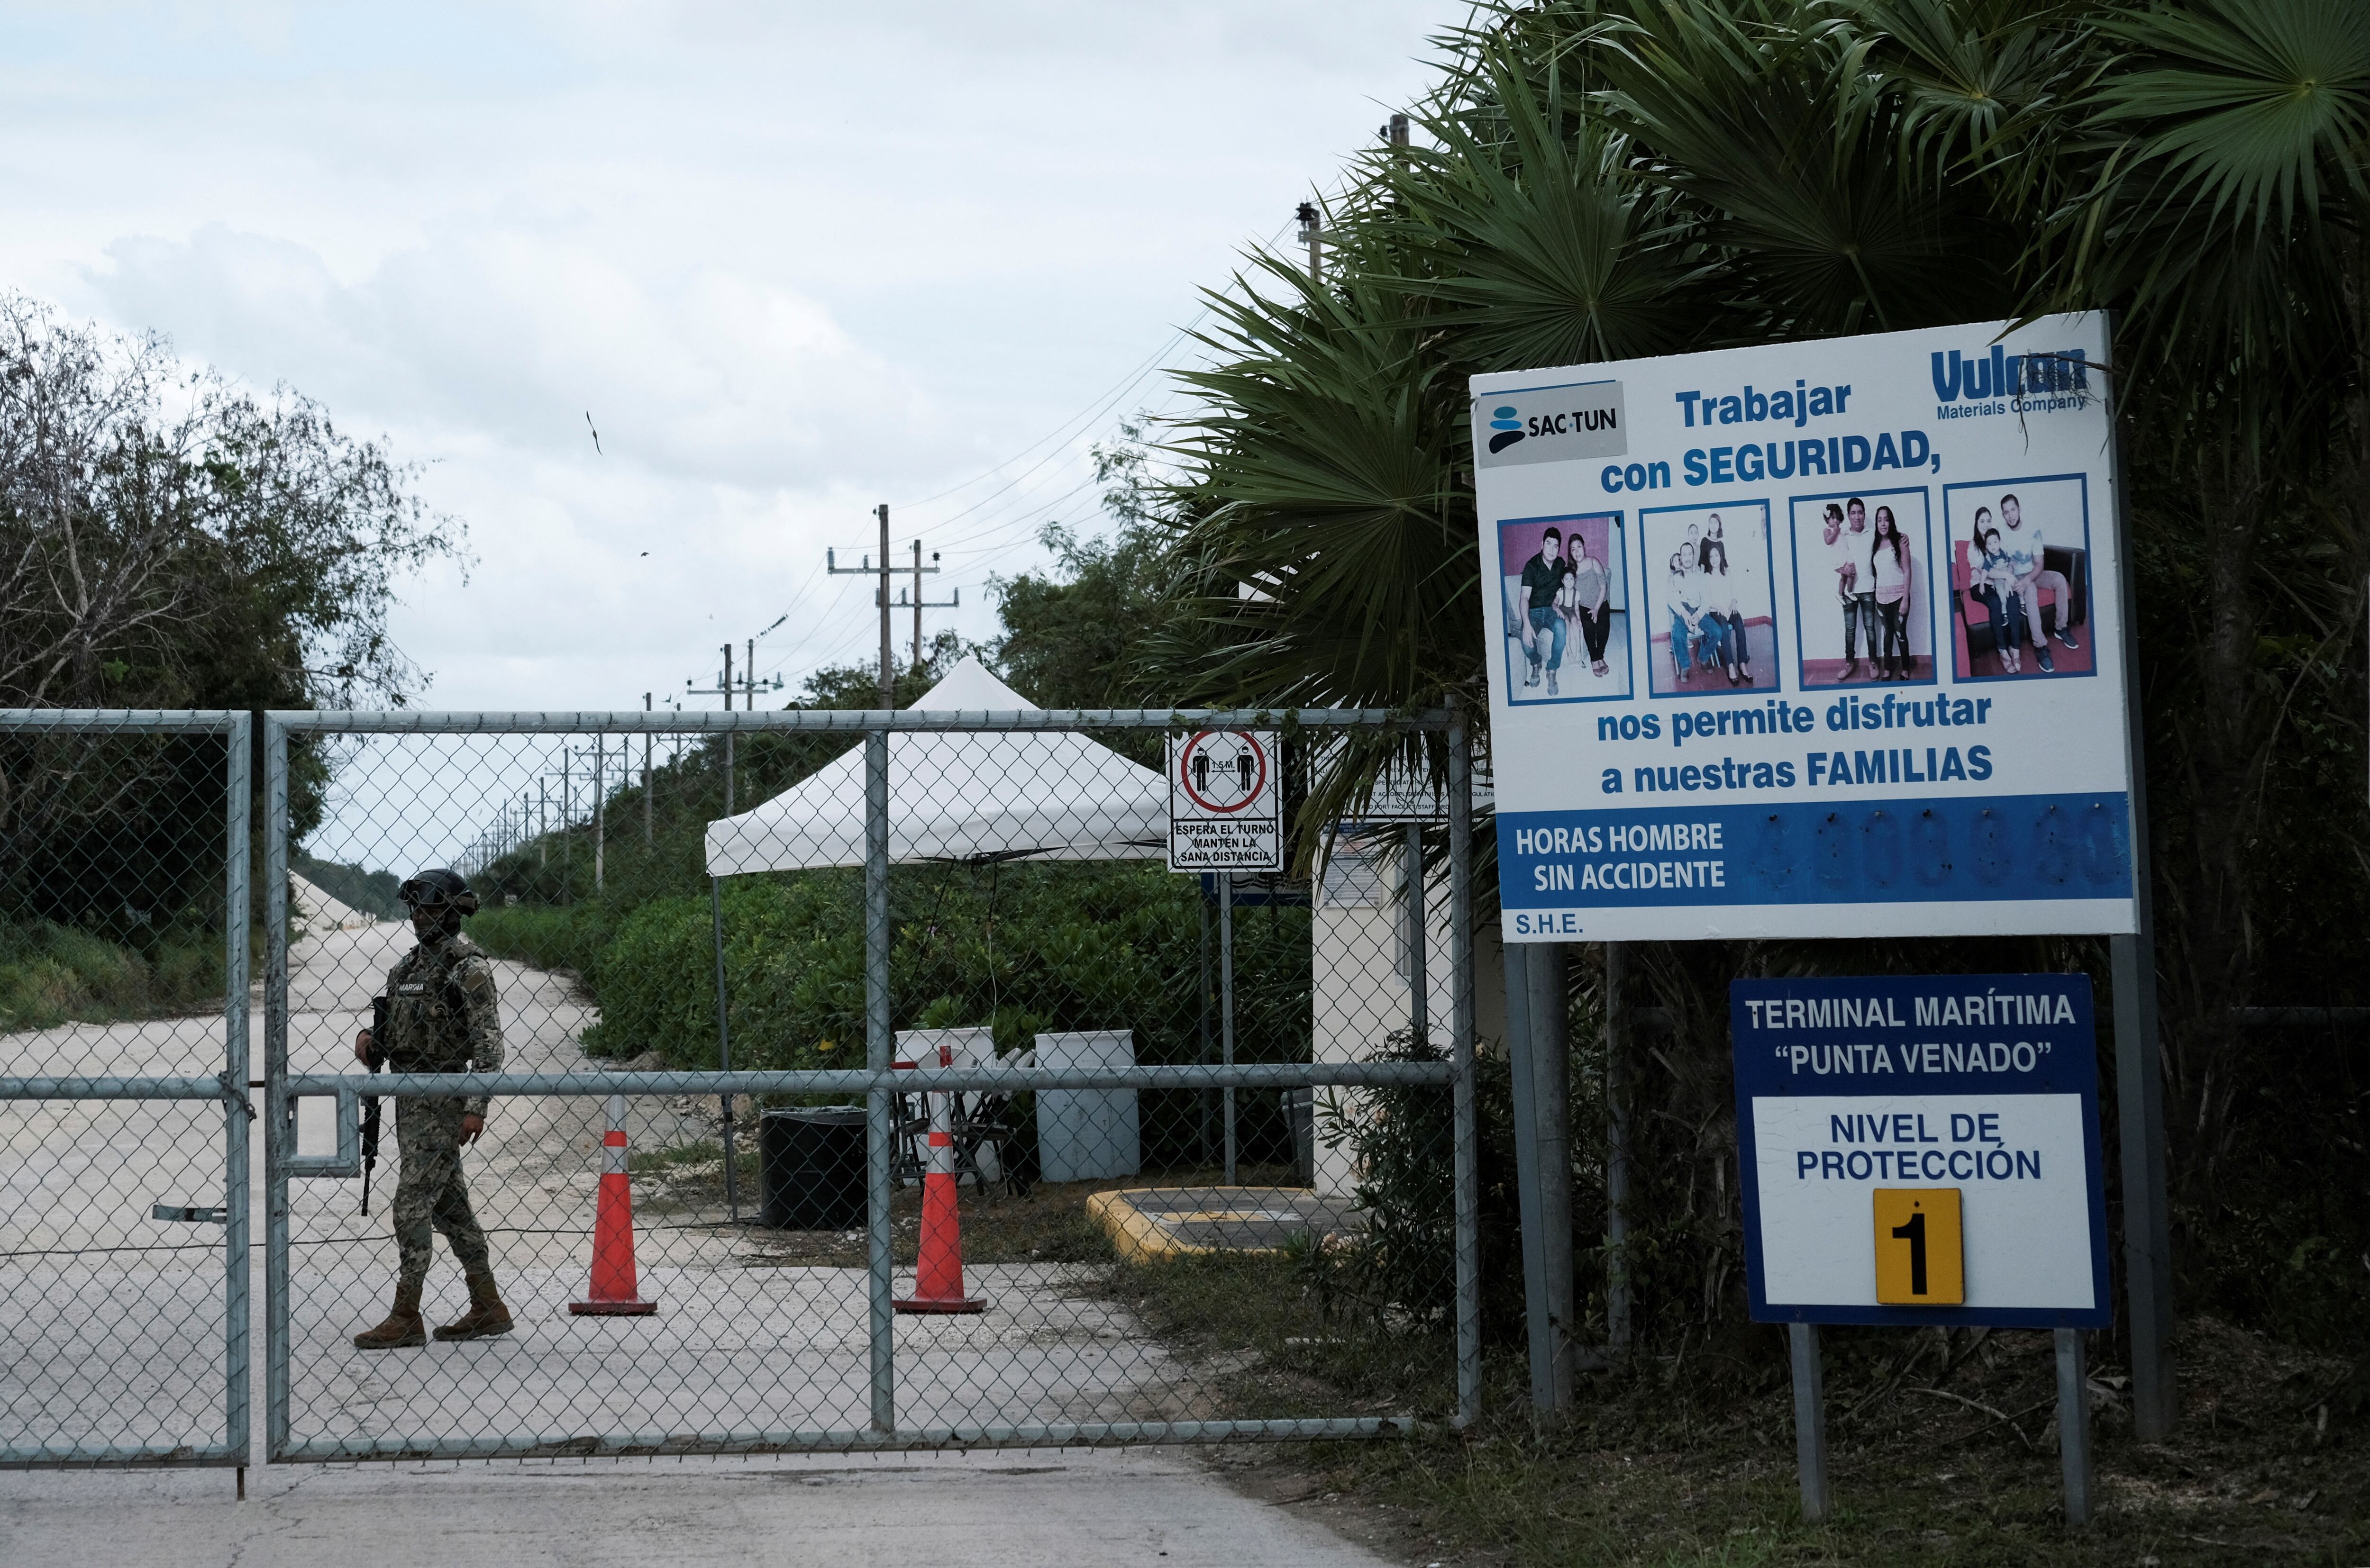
(1361,993)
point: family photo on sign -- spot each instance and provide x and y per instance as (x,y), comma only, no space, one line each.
(1859,605)
(1566,608)
(1707,587)
(2020,572)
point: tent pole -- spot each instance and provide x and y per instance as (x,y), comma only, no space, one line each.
(723,1043)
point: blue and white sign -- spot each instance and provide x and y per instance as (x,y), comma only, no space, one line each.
(1809,639)
(1981,1086)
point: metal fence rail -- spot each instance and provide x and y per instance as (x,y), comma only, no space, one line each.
(123,979)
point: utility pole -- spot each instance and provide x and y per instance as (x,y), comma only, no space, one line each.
(1312,235)
(919,605)
(832,565)
(723,689)
(888,675)
(567,829)
(600,810)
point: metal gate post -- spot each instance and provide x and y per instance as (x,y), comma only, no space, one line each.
(279,1128)
(238,739)
(1469,1178)
(1417,915)
(880,1051)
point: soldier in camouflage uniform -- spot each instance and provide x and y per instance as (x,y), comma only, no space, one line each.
(441,1018)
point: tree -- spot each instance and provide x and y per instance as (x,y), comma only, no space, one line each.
(169,540)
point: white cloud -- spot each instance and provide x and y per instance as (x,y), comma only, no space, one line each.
(515,335)
(793,259)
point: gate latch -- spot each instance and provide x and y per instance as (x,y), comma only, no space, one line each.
(183,1214)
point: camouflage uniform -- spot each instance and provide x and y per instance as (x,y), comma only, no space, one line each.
(440,1018)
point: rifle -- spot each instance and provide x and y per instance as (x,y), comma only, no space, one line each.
(369,1104)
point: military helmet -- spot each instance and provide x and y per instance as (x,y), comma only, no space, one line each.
(436,889)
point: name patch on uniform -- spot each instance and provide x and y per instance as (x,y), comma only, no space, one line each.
(412,988)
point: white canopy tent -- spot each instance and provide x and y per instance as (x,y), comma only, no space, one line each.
(960,795)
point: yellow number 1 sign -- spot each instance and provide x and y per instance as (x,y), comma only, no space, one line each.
(1920,1260)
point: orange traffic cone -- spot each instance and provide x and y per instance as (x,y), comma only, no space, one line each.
(615,1293)
(938,1272)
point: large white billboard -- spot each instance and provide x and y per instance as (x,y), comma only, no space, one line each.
(1809,639)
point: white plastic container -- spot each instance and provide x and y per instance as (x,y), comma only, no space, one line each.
(1088,1135)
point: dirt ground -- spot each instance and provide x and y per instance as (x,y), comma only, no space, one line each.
(2270,1464)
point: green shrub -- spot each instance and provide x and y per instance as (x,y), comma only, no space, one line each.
(51,974)
(1020,948)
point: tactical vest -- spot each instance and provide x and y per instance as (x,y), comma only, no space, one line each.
(427,1018)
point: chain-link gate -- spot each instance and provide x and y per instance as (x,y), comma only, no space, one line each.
(124,1092)
(945,1113)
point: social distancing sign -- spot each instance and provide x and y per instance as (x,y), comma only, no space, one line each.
(1225,802)
(1921,1150)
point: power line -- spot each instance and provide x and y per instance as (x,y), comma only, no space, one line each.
(1102,400)
(1004,529)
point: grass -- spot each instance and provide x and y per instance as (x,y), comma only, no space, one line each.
(1659,1467)
(1688,1458)
(55,974)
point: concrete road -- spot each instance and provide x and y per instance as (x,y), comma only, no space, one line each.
(111,1325)
(1077,1510)
(110,1321)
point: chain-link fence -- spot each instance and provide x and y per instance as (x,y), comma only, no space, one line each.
(846,1080)
(123,1095)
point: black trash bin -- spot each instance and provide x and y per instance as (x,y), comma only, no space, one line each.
(810,1169)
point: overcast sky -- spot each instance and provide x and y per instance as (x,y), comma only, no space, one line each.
(793,259)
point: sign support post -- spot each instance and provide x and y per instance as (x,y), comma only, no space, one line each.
(2148,1229)
(1616,1151)
(1539,1330)
(2139,1066)
(1550,1069)
(2073,1425)
(1226,1005)
(1536,1059)
(1810,1419)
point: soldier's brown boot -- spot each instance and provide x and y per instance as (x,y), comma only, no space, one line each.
(486,1317)
(403,1325)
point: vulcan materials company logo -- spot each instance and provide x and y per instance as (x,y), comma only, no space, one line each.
(1550,424)
(2000,383)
